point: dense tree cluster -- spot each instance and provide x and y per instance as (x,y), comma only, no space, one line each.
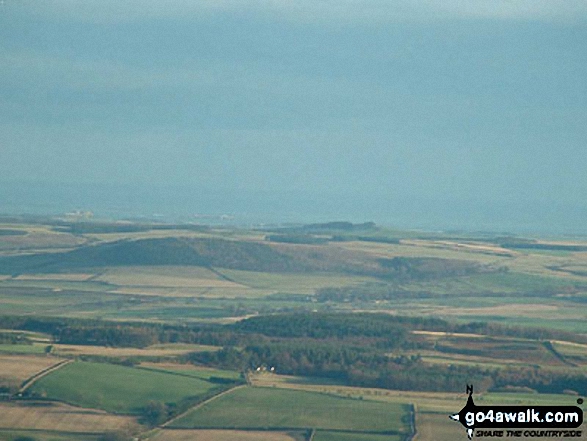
(354,348)
(13,338)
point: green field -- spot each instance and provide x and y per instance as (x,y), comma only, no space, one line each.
(38,435)
(116,388)
(22,349)
(268,408)
(355,436)
(201,373)
(293,283)
(218,276)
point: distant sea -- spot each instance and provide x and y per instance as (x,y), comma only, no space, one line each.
(255,208)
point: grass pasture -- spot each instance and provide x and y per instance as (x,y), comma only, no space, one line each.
(222,435)
(190,370)
(37,349)
(433,408)
(59,417)
(323,435)
(115,388)
(280,409)
(291,283)
(437,401)
(572,352)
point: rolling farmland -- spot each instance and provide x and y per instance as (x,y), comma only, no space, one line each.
(263,408)
(60,417)
(190,290)
(117,389)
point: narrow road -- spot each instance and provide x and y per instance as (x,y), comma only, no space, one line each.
(413,432)
(28,383)
(550,347)
(203,403)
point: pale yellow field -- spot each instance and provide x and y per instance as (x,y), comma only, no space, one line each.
(524,262)
(483,248)
(61,417)
(438,427)
(168,350)
(451,334)
(151,234)
(434,401)
(22,367)
(517,310)
(412,249)
(219,435)
(73,277)
(570,347)
(210,292)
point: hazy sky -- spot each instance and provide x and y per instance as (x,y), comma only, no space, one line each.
(424,100)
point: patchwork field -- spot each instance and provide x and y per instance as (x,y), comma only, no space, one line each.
(60,417)
(192,276)
(322,435)
(436,402)
(573,352)
(23,349)
(495,349)
(291,283)
(173,277)
(117,388)
(151,351)
(438,427)
(433,426)
(190,370)
(264,408)
(221,435)
(21,367)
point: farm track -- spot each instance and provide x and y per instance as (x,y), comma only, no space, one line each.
(413,430)
(203,403)
(32,380)
(222,276)
(550,347)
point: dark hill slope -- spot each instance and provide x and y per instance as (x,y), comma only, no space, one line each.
(240,255)
(166,251)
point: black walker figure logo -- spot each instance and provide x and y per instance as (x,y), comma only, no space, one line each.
(553,418)
(469,407)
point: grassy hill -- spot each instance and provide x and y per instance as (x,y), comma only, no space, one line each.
(237,255)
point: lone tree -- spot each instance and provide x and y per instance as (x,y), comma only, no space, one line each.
(154,413)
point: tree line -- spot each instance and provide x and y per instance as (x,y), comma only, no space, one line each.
(353,348)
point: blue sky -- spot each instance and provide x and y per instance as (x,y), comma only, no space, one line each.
(359,103)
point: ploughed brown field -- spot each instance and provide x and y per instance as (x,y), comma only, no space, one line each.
(61,418)
(18,368)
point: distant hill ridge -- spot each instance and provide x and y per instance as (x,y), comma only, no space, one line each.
(232,254)
(164,251)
